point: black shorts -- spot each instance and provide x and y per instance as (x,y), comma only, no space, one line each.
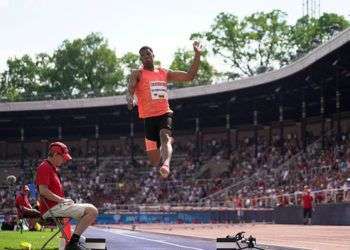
(153,125)
(307,213)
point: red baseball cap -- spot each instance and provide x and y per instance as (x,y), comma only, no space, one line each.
(60,148)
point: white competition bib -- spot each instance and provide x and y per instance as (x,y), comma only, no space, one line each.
(159,90)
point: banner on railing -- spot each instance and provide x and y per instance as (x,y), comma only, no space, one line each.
(223,216)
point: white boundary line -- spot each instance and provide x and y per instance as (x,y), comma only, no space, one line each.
(158,241)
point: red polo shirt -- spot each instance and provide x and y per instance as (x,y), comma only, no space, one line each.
(46,174)
(307,201)
(22,201)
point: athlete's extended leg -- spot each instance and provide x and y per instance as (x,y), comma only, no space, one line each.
(166,151)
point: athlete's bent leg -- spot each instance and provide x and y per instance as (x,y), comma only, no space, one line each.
(152,152)
(154,157)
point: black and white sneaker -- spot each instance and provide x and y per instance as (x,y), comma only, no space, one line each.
(75,246)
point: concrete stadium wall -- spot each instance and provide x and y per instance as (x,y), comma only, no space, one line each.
(324,214)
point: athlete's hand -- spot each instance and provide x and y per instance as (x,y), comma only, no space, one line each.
(130,105)
(130,101)
(197,47)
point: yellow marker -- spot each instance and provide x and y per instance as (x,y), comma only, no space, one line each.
(37,226)
(26,245)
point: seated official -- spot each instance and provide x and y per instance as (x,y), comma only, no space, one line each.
(25,210)
(52,201)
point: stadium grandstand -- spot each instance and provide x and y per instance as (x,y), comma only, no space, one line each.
(253,143)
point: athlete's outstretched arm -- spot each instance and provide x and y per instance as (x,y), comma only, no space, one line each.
(181,76)
(134,78)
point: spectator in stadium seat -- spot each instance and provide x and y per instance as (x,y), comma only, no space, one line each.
(149,84)
(25,210)
(346,188)
(52,195)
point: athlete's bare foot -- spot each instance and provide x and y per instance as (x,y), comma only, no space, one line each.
(164,171)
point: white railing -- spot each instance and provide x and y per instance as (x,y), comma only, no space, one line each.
(326,196)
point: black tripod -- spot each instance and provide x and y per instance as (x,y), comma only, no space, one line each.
(240,239)
(11,182)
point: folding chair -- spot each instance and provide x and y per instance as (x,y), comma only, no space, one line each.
(20,222)
(58,223)
(21,219)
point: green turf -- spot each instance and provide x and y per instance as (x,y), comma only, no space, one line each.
(11,240)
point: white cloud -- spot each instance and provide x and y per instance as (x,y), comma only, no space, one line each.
(4,4)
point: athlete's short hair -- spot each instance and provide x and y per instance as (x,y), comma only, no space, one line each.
(144,48)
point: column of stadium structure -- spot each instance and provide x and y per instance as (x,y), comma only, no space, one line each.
(132,155)
(228,134)
(59,132)
(197,139)
(228,124)
(59,136)
(267,133)
(83,147)
(97,144)
(22,149)
(255,122)
(228,127)
(200,141)
(280,108)
(236,138)
(3,150)
(303,121)
(337,103)
(322,107)
(7,150)
(44,144)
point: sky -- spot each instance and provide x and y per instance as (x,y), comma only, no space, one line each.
(35,26)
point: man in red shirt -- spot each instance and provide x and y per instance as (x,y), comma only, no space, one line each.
(52,194)
(307,205)
(24,209)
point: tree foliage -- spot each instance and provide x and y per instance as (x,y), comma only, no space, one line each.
(309,32)
(264,41)
(256,41)
(86,66)
(76,68)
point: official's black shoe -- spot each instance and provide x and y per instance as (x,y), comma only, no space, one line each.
(74,246)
